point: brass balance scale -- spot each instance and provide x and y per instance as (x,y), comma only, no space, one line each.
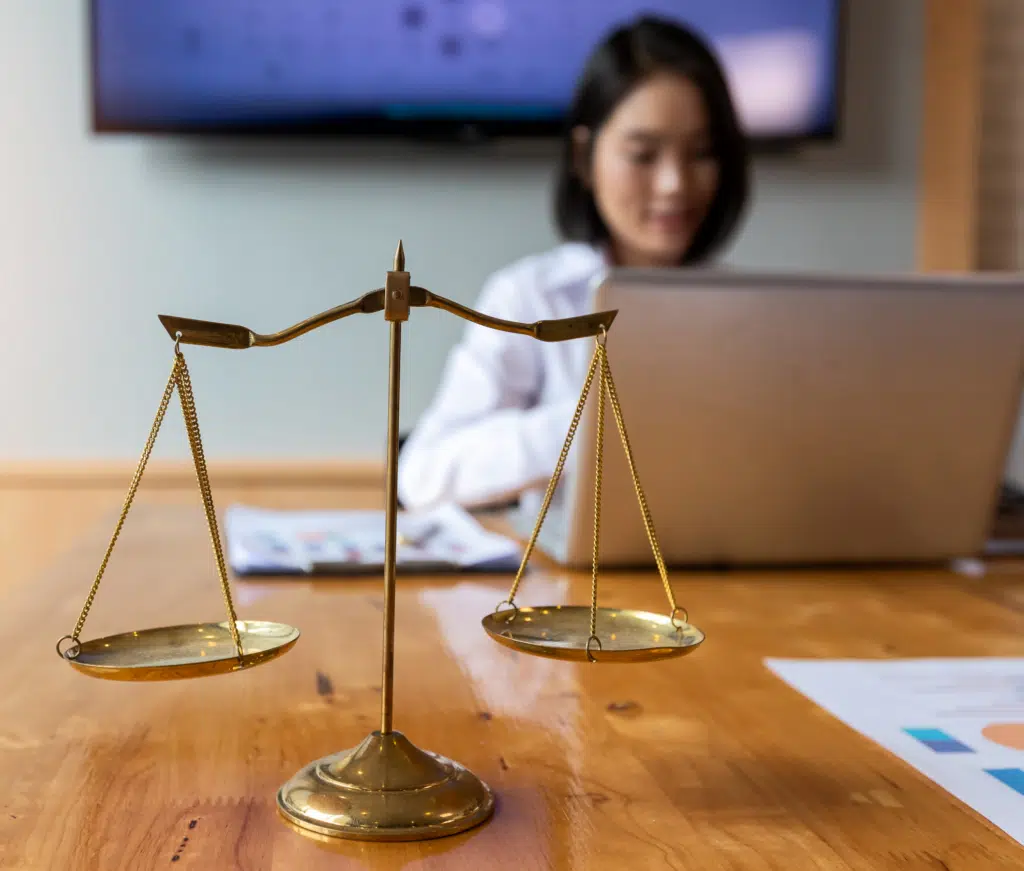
(386,788)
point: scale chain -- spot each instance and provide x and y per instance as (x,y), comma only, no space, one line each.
(132,489)
(188,407)
(601,354)
(510,600)
(641,497)
(179,378)
(600,365)
(553,482)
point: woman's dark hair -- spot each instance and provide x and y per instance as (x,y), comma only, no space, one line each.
(625,59)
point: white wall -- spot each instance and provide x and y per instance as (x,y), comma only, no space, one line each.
(99,234)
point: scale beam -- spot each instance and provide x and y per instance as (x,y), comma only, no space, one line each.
(218,335)
(561,330)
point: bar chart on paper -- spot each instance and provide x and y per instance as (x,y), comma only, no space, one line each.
(960,722)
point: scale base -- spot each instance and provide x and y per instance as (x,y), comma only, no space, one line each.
(386,789)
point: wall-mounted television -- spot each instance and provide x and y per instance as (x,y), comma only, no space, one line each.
(432,67)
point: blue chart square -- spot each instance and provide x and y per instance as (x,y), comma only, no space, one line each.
(948,747)
(1012,777)
(938,741)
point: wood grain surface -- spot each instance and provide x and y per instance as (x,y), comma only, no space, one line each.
(707,762)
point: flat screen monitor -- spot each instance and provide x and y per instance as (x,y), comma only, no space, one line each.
(494,67)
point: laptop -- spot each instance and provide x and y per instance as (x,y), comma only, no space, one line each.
(798,419)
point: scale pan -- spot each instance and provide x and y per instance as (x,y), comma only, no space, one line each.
(175,652)
(562,631)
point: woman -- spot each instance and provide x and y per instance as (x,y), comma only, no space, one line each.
(653,173)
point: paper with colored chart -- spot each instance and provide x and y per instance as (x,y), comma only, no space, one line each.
(441,539)
(958,721)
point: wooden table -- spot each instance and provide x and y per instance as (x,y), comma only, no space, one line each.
(707,762)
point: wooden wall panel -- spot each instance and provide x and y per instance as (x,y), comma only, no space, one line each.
(1001,218)
(950,135)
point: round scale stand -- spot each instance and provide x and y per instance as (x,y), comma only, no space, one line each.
(592,634)
(385,789)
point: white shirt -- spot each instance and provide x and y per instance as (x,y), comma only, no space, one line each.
(499,419)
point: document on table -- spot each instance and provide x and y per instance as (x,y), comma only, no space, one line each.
(441,539)
(960,722)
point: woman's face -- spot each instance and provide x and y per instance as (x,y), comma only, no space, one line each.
(653,172)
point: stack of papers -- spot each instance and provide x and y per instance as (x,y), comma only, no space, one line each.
(446,538)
